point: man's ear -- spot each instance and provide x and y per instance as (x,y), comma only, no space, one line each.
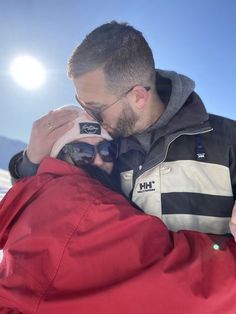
(139,97)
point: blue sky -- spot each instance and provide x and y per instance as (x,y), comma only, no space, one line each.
(195,38)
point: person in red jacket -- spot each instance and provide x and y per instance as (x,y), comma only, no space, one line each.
(72,245)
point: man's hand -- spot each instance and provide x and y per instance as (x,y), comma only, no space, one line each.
(232,223)
(47,130)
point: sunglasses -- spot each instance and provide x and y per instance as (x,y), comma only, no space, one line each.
(96,113)
(83,153)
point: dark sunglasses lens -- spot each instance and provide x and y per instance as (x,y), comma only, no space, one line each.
(95,114)
(82,153)
(92,112)
(107,151)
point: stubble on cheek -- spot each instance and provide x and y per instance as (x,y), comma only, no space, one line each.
(126,122)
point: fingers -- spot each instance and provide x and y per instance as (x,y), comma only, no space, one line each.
(232,228)
(233,218)
(232,224)
(55,119)
(57,132)
(47,130)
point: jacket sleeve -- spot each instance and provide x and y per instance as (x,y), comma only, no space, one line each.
(20,166)
(4,310)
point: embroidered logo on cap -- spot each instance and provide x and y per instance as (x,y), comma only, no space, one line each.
(90,128)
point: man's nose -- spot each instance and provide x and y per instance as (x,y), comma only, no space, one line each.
(98,161)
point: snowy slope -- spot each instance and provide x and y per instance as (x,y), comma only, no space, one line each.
(8,148)
(5,184)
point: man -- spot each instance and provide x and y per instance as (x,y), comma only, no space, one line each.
(176,161)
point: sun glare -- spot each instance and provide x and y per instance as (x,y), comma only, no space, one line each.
(28,72)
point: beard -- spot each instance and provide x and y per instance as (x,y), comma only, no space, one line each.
(126,122)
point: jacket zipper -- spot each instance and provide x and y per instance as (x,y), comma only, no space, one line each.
(167,149)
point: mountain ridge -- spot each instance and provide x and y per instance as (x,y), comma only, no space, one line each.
(8,148)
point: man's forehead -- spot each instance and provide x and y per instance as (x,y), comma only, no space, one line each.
(90,83)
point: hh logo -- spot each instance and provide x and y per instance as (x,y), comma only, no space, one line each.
(146,186)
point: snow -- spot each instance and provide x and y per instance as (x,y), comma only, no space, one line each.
(5,184)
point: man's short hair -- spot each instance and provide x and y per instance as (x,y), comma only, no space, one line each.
(121,51)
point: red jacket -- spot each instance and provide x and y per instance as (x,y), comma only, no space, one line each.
(73,246)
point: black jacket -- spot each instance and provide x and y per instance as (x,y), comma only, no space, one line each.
(187,173)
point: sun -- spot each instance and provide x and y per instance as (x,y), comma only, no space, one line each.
(28,72)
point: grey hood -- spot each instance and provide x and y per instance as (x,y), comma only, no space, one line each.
(180,88)
(184,111)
